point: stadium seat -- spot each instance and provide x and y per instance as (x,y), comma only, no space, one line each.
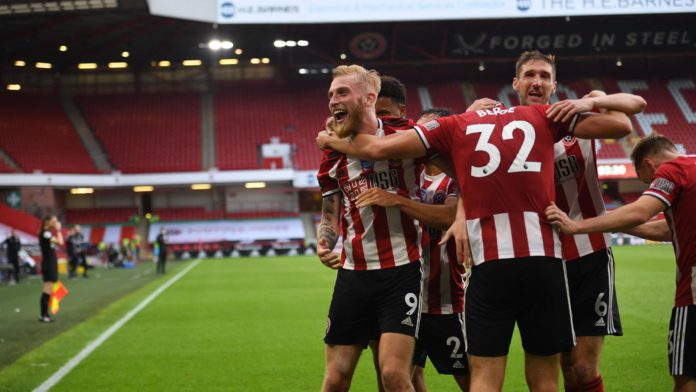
(37,135)
(99,215)
(144,133)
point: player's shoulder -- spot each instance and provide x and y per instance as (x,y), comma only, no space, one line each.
(393,124)
(684,164)
(331,155)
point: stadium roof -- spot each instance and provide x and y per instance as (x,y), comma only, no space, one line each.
(101,35)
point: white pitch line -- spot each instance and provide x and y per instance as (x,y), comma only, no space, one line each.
(72,363)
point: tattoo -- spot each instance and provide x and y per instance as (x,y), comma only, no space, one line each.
(329,233)
(329,220)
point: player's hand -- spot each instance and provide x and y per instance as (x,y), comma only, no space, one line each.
(459,232)
(325,137)
(560,219)
(57,226)
(376,197)
(482,104)
(326,255)
(563,111)
(595,93)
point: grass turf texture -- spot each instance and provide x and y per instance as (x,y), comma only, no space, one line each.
(257,324)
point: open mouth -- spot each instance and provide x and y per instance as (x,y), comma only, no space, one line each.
(340,115)
(535,94)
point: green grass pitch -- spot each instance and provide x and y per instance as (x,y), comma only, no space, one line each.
(257,325)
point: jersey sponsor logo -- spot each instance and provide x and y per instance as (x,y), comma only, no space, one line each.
(663,185)
(566,168)
(496,111)
(384,179)
(569,140)
(367,165)
(395,163)
(430,125)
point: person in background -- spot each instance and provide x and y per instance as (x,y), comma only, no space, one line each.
(12,246)
(79,244)
(72,256)
(49,236)
(162,240)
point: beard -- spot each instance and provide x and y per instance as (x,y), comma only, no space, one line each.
(351,124)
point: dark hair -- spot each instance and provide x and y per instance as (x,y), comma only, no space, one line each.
(533,55)
(392,88)
(650,145)
(441,112)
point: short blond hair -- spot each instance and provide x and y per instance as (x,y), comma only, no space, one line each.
(370,79)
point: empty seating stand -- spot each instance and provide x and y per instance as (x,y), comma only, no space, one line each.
(37,135)
(99,215)
(144,133)
(250,114)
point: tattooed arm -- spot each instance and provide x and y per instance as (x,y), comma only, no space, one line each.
(329,230)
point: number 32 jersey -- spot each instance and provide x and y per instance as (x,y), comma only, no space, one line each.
(504,162)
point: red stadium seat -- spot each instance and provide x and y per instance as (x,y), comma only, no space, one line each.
(147,132)
(37,135)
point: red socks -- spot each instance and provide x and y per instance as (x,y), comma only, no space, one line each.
(594,386)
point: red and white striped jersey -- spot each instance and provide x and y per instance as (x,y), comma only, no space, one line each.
(443,277)
(503,159)
(578,194)
(674,183)
(374,237)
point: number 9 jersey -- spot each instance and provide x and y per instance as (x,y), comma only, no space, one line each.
(504,163)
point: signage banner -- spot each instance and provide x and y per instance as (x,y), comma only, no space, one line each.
(612,39)
(335,11)
(238,230)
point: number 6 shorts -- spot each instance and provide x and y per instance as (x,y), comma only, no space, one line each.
(366,304)
(593,295)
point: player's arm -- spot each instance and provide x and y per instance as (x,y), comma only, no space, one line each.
(329,230)
(621,219)
(607,125)
(458,230)
(655,231)
(596,101)
(404,144)
(435,216)
(58,238)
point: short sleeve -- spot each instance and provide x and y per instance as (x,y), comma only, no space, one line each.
(452,190)
(328,184)
(558,129)
(436,135)
(667,183)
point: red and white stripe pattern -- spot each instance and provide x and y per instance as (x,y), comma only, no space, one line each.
(673,184)
(578,194)
(678,339)
(503,159)
(374,237)
(512,235)
(443,277)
